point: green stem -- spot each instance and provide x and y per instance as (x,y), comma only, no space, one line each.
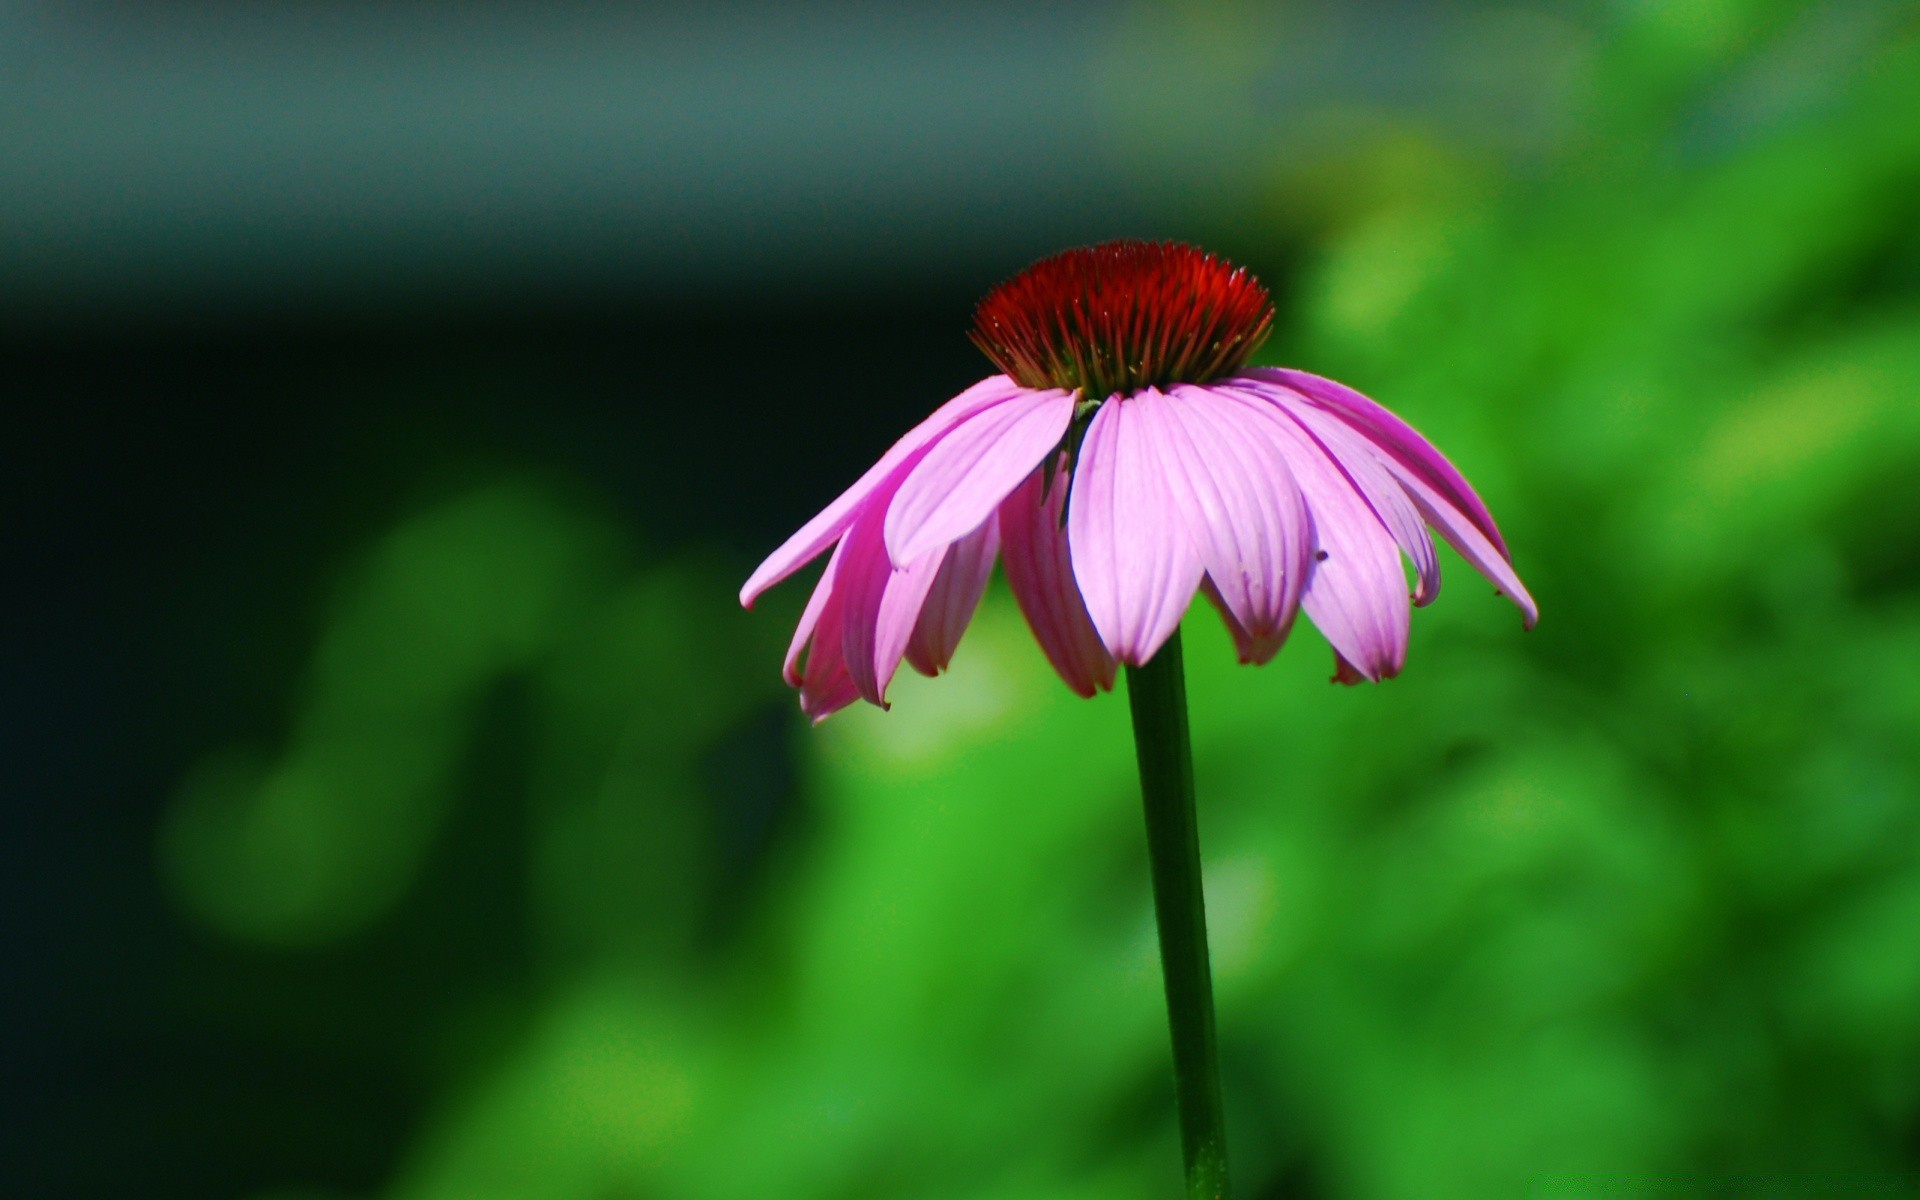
(1157,694)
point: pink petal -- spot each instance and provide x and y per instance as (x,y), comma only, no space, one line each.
(825,685)
(810,618)
(964,571)
(969,472)
(1242,510)
(882,602)
(1253,651)
(1401,443)
(829,689)
(1357,595)
(1040,572)
(1465,537)
(1444,499)
(1384,494)
(834,520)
(1135,565)
(1344,672)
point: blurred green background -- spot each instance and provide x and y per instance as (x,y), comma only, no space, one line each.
(402,806)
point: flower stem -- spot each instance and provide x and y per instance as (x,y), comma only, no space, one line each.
(1157,694)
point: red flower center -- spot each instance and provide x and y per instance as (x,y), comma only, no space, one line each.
(1122,316)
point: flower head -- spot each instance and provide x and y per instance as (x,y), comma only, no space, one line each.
(1123,460)
(1122,316)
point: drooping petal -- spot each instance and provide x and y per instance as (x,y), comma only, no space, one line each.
(955,593)
(1357,595)
(1040,572)
(810,617)
(1466,538)
(1382,491)
(1135,565)
(825,684)
(1253,651)
(1399,441)
(1443,497)
(899,616)
(969,472)
(1344,672)
(834,520)
(829,688)
(1228,479)
(882,602)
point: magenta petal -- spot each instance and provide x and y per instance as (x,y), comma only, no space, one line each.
(1357,595)
(810,618)
(1444,499)
(1229,480)
(899,616)
(1399,441)
(825,685)
(834,520)
(1254,651)
(1376,483)
(964,571)
(1465,537)
(1135,565)
(828,687)
(1040,572)
(1344,672)
(882,603)
(969,472)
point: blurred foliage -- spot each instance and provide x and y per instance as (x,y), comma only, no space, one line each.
(1630,901)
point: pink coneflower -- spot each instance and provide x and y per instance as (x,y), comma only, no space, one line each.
(1124,459)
